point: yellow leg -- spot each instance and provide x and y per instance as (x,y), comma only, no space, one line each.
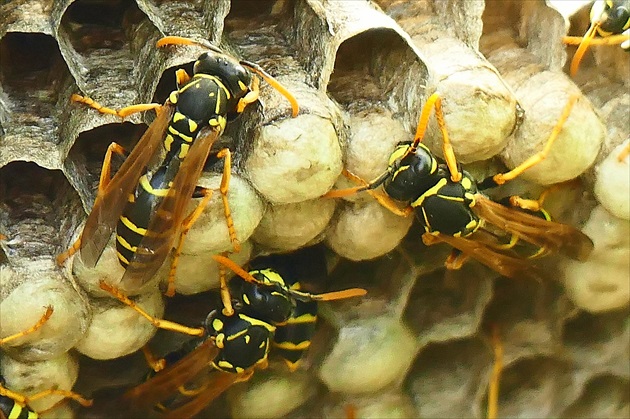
(456,260)
(501,178)
(124,112)
(159,323)
(226,298)
(581,50)
(224,188)
(493,386)
(186,225)
(182,77)
(23,400)
(608,40)
(104,180)
(250,97)
(34,328)
(447,147)
(156,365)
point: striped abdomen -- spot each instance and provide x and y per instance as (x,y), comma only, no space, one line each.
(293,338)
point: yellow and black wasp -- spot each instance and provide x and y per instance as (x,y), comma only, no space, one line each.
(14,405)
(449,204)
(233,342)
(610,19)
(145,201)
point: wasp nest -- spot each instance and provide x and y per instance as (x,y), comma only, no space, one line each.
(419,343)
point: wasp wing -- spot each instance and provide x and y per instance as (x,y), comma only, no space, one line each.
(110,202)
(546,234)
(506,265)
(163,227)
(214,388)
(166,383)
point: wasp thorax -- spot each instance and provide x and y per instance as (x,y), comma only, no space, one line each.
(267,302)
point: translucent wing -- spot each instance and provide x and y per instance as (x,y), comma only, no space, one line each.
(163,227)
(543,233)
(220,382)
(166,383)
(506,265)
(110,202)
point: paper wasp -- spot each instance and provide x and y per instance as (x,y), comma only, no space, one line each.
(233,341)
(611,20)
(449,204)
(145,201)
(14,405)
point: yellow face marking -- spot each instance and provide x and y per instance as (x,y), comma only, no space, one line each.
(270,277)
(245,299)
(398,154)
(183,151)
(131,226)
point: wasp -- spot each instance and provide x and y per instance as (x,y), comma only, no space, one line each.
(14,405)
(450,206)
(233,341)
(145,200)
(610,19)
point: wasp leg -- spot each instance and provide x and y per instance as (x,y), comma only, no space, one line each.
(608,40)
(456,260)
(501,178)
(34,328)
(186,225)
(581,50)
(250,97)
(159,323)
(156,365)
(226,298)
(66,394)
(224,188)
(447,147)
(124,112)
(624,153)
(382,198)
(182,77)
(104,180)
(495,377)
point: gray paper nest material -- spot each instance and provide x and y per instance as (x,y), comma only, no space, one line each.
(348,62)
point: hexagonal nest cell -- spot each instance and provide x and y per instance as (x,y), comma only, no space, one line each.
(426,340)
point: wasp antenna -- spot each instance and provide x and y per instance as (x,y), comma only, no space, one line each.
(275,84)
(179,40)
(581,50)
(423,121)
(329,296)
